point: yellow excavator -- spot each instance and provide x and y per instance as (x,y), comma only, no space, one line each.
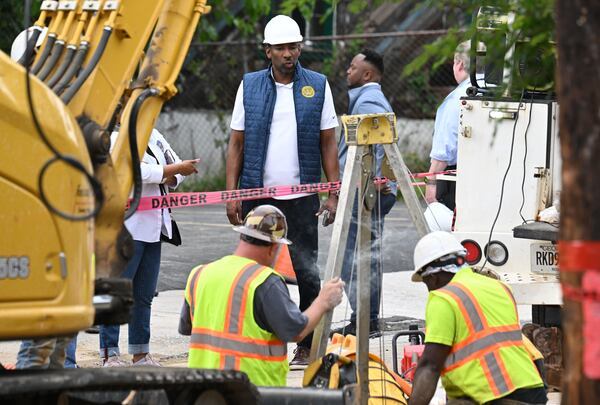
(63,194)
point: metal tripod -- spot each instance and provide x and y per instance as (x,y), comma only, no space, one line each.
(361,133)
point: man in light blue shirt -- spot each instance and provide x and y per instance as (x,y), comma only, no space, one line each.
(445,137)
(365,97)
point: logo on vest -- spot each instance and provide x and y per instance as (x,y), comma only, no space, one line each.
(308,91)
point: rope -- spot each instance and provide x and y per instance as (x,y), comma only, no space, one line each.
(379,271)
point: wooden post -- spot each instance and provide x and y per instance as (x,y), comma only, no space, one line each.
(578,76)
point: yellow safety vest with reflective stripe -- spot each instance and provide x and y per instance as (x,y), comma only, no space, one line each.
(225,334)
(488,359)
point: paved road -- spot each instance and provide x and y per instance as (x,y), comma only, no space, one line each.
(207,236)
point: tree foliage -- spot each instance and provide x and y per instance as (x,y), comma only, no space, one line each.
(533,27)
(11,22)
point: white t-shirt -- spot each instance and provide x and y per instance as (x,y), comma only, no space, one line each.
(281,163)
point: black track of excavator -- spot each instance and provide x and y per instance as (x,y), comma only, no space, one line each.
(173,386)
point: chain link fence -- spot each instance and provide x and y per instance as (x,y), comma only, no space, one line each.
(196,121)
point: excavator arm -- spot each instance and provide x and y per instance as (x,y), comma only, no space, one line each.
(64,194)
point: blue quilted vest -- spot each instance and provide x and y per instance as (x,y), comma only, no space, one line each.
(259,102)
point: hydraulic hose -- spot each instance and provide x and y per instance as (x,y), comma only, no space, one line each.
(54,57)
(25,59)
(77,165)
(45,52)
(63,66)
(73,69)
(133,149)
(70,93)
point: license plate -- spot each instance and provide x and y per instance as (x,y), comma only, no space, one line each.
(544,258)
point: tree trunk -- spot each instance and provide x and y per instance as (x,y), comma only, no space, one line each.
(578,77)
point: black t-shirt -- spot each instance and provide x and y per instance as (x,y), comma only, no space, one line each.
(274,311)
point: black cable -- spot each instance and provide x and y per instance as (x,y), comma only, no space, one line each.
(525,161)
(96,187)
(54,57)
(87,71)
(63,66)
(25,59)
(512,147)
(45,53)
(133,149)
(73,69)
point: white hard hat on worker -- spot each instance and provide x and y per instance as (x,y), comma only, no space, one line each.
(282,29)
(19,45)
(433,250)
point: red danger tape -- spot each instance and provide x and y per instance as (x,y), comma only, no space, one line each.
(194,199)
(421,175)
(579,255)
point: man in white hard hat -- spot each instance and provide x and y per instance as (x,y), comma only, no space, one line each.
(445,137)
(473,336)
(283,133)
(244,288)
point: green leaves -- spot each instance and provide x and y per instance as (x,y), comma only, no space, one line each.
(11,22)
(532,29)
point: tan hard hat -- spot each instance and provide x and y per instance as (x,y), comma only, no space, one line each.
(266,223)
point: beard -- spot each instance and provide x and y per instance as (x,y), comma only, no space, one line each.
(282,68)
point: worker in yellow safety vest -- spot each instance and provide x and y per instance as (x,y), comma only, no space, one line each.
(238,311)
(473,337)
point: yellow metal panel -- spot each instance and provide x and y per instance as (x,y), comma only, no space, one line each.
(48,298)
(100,94)
(370,129)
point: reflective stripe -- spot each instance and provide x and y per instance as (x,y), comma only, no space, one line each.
(488,377)
(483,342)
(229,363)
(496,374)
(238,294)
(475,348)
(465,302)
(270,350)
(193,285)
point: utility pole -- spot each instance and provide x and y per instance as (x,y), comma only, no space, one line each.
(578,77)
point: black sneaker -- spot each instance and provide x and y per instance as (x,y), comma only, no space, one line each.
(348,329)
(300,360)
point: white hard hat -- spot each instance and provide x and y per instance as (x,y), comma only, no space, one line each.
(19,45)
(439,217)
(282,29)
(433,246)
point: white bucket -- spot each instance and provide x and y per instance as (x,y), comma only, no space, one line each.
(439,217)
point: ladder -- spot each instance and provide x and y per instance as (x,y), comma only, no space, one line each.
(361,133)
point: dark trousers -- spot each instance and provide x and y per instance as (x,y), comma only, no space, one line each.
(303,232)
(445,191)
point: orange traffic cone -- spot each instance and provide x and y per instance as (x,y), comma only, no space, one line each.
(283,265)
